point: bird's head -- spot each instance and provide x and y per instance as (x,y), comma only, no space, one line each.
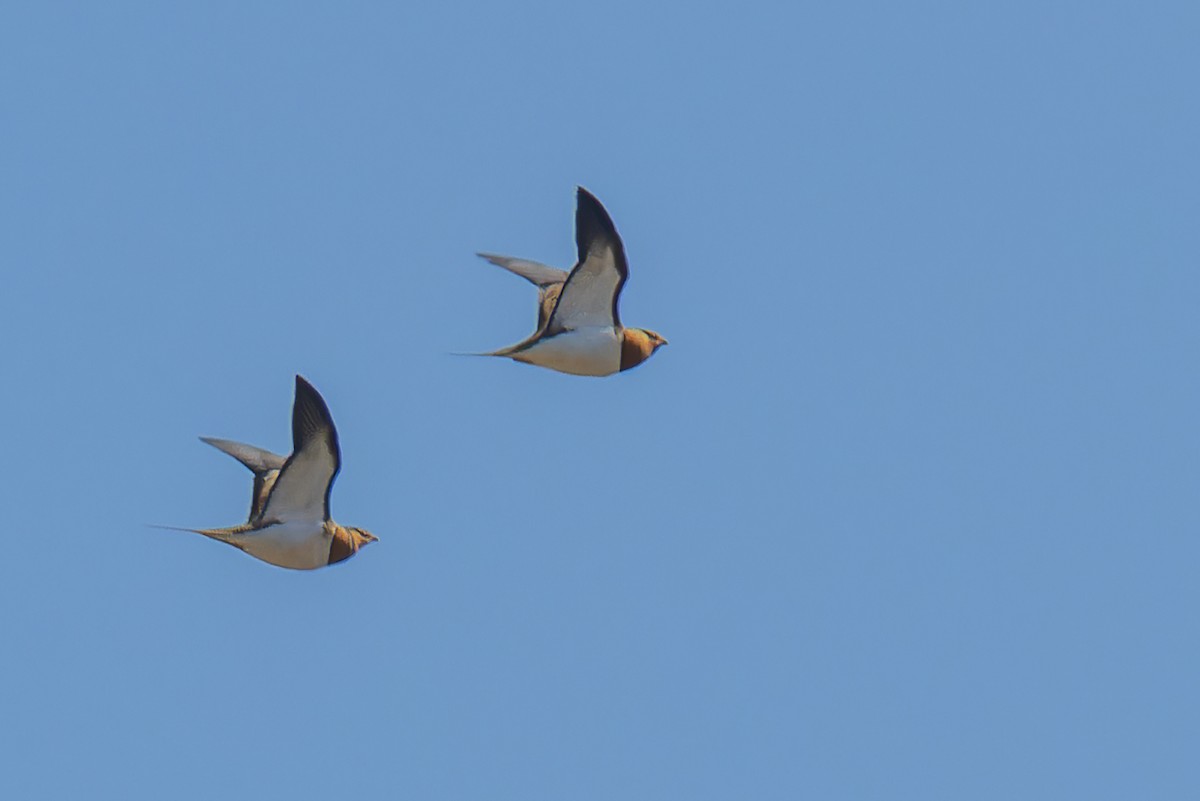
(346,542)
(657,339)
(638,345)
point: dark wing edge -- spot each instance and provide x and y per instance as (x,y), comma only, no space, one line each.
(310,420)
(593,224)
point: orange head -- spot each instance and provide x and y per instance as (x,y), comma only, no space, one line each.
(637,345)
(347,541)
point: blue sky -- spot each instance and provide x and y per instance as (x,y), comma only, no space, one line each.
(907,509)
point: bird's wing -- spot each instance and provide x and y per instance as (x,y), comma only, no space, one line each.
(264,464)
(301,491)
(532,271)
(589,296)
(549,280)
(257,459)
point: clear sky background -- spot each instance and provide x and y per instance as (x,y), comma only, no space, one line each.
(907,509)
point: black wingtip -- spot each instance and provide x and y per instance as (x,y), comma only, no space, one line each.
(310,413)
(302,382)
(592,222)
(588,204)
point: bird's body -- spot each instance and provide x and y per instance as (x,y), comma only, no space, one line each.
(579,329)
(298,545)
(289,523)
(594,351)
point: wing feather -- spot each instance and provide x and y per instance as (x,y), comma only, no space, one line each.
(532,271)
(592,290)
(257,459)
(549,280)
(301,492)
(264,464)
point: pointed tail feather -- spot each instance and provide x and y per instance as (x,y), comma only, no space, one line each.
(502,352)
(215,533)
(506,353)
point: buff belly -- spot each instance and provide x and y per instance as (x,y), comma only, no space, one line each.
(583,351)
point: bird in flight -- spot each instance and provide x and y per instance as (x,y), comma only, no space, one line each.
(579,327)
(289,523)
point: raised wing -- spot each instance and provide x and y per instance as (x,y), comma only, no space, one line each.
(264,464)
(257,459)
(301,491)
(532,271)
(549,280)
(589,296)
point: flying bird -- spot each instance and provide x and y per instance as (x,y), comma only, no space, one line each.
(289,523)
(579,327)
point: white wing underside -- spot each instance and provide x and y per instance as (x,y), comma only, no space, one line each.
(587,300)
(300,491)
